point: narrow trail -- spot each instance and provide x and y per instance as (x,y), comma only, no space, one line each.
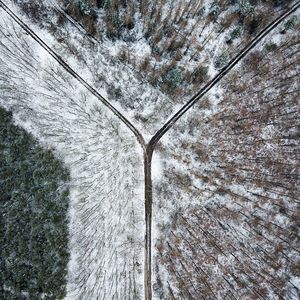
(149,148)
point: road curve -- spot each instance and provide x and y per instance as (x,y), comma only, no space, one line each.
(134,130)
(162,131)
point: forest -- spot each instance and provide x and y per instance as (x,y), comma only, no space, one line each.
(34,203)
(149,149)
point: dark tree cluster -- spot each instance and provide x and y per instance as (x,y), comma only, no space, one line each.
(33,217)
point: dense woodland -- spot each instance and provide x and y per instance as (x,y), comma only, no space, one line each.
(33,217)
(179,34)
(186,41)
(236,158)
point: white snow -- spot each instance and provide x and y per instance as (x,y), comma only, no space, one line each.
(156,168)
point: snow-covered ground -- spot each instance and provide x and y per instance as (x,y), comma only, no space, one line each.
(105,161)
(207,160)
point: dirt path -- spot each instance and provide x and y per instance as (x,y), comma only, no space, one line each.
(149,148)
